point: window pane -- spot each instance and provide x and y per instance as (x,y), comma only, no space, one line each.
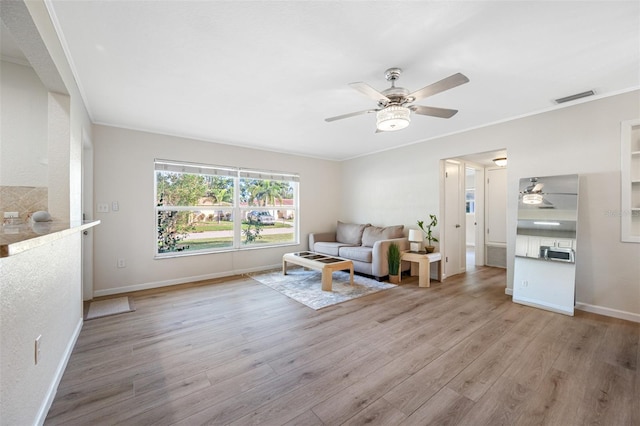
(266,193)
(219,191)
(196,206)
(184,189)
(267,226)
(190,231)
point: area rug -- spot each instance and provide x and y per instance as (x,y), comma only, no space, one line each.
(304,286)
(108,307)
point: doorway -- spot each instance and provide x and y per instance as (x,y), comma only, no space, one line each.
(465,211)
(471,223)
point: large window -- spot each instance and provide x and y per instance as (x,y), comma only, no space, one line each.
(202,209)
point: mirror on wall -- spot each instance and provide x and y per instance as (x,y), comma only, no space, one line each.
(544,266)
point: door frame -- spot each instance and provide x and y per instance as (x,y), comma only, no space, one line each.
(480,212)
(87,214)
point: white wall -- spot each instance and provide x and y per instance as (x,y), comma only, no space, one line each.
(401,186)
(23,133)
(40,295)
(124,172)
(60,146)
(40,289)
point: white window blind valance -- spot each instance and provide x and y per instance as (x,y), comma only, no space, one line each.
(193,168)
(202,169)
(268,175)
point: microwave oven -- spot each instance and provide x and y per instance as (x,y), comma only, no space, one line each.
(557,254)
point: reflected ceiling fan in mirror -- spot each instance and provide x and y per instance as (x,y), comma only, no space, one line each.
(533,195)
(394,107)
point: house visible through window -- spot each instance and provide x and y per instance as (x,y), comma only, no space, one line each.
(202,208)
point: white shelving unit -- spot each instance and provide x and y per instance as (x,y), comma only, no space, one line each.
(630,178)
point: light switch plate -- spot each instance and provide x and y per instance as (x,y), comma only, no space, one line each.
(102,208)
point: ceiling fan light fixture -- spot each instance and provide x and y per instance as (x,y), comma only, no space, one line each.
(393,118)
(500,161)
(532,199)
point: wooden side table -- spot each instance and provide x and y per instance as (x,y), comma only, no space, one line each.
(421,266)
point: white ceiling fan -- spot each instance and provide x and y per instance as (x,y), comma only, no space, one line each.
(394,104)
(533,194)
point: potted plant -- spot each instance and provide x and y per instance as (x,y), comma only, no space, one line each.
(427,232)
(393,257)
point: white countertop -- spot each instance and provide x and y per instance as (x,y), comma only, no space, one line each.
(15,239)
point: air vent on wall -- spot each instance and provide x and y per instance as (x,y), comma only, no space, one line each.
(576,96)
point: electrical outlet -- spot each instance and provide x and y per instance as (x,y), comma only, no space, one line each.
(525,283)
(10,215)
(37,349)
(121,263)
(102,208)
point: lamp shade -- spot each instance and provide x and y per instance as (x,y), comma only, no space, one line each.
(415,235)
(393,118)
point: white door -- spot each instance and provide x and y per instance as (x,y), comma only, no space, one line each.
(454,255)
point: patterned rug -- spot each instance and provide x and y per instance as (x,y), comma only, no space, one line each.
(304,286)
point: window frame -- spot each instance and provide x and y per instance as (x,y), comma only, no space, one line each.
(237,209)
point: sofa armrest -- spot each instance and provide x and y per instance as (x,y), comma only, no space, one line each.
(380,264)
(321,236)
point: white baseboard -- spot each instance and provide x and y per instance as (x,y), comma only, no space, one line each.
(629,316)
(182,280)
(559,309)
(53,387)
(600,310)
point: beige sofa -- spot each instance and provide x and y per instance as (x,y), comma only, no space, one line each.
(364,244)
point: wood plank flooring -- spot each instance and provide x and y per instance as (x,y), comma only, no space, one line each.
(236,352)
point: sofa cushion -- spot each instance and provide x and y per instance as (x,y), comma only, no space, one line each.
(350,233)
(395,231)
(360,253)
(373,234)
(331,248)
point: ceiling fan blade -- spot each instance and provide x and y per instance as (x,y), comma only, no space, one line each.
(369,91)
(440,86)
(433,111)
(538,187)
(352,114)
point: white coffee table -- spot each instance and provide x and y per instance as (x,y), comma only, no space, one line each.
(320,262)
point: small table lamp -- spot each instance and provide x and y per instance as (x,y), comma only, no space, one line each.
(415,239)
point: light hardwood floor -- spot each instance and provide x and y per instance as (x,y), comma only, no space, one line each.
(459,353)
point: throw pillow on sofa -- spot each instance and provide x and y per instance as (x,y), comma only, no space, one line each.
(350,233)
(373,234)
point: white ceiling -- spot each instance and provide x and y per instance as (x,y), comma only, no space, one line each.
(265,74)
